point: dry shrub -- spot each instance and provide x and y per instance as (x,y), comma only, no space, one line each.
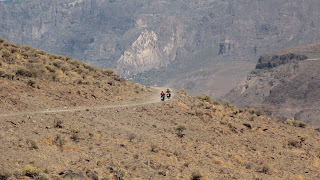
(22,71)
(180,130)
(237,159)
(155,148)
(196,175)
(31,171)
(57,123)
(76,63)
(215,102)
(31,83)
(266,169)
(296,123)
(5,53)
(58,63)
(27,48)
(51,69)
(2,40)
(13,49)
(40,52)
(131,136)
(59,141)
(119,173)
(2,72)
(217,161)
(33,144)
(36,69)
(75,135)
(108,72)
(82,70)
(205,98)
(255,111)
(226,103)
(4,174)
(58,76)
(199,112)
(35,173)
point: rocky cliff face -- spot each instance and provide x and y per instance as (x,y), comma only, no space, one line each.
(285,82)
(192,44)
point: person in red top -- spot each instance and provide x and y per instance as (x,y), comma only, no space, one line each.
(162,93)
(162,96)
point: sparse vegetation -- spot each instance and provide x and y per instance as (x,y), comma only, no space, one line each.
(131,136)
(154,148)
(57,123)
(60,141)
(75,135)
(119,173)
(215,102)
(4,174)
(109,72)
(33,144)
(180,130)
(196,175)
(296,123)
(266,169)
(2,72)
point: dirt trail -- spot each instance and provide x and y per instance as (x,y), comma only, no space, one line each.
(312,59)
(155,98)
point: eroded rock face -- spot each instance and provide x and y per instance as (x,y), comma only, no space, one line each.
(152,49)
(193,38)
(285,84)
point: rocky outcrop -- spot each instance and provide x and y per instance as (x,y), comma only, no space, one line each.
(284,84)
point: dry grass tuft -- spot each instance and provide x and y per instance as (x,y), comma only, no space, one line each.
(296,123)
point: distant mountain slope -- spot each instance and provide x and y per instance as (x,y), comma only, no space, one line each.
(190,44)
(287,79)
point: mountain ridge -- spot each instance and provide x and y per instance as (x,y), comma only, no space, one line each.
(286,79)
(191,35)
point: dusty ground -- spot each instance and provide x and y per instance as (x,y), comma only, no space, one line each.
(140,141)
(73,121)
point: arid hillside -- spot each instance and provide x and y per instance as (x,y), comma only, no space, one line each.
(286,83)
(67,120)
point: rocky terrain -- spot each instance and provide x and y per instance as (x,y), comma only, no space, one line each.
(205,46)
(288,81)
(65,119)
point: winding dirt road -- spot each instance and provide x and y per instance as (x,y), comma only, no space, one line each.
(153,99)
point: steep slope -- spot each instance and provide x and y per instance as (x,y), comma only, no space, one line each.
(288,80)
(184,138)
(180,43)
(30,77)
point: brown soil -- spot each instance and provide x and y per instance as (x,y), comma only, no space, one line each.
(120,130)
